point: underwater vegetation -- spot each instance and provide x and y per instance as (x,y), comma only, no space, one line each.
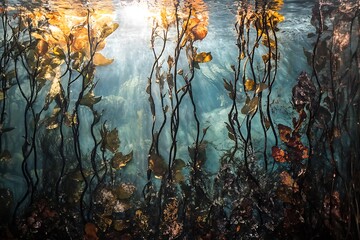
(64,167)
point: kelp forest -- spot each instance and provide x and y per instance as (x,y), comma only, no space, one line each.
(278,159)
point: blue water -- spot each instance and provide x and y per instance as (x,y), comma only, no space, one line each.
(122,84)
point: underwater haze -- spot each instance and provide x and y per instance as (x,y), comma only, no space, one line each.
(179,119)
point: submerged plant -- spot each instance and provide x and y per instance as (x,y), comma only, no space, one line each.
(330,183)
(185,23)
(54,55)
(276,180)
(245,185)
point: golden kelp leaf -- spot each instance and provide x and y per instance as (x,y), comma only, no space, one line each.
(192,32)
(158,165)
(124,191)
(52,125)
(242,55)
(54,18)
(58,37)
(37,36)
(250,106)
(268,42)
(42,47)
(55,90)
(52,121)
(56,111)
(2,95)
(45,62)
(47,73)
(119,160)
(167,17)
(261,87)
(191,23)
(199,32)
(164,18)
(249,85)
(110,140)
(75,119)
(265,58)
(69,119)
(80,39)
(100,46)
(288,181)
(108,29)
(275,17)
(100,60)
(276,4)
(59,52)
(203,57)
(89,99)
(55,62)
